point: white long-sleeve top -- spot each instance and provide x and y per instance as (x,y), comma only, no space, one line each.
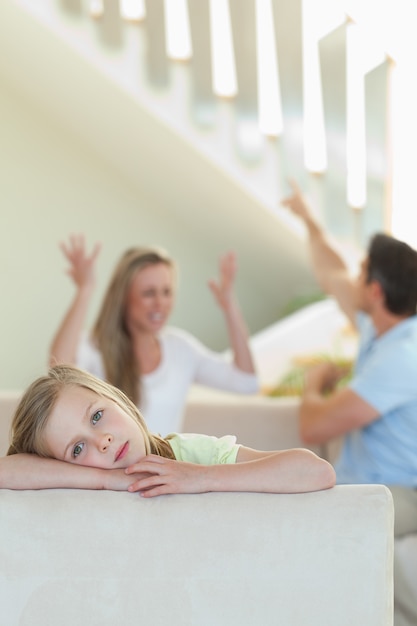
(184,361)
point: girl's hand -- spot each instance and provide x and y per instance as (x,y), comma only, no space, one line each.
(82,265)
(118,480)
(223,288)
(167,476)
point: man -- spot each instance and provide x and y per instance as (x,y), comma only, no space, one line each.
(377,411)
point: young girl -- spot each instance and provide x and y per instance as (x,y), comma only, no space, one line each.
(73,430)
(132,347)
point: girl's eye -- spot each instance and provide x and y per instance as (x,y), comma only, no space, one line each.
(95,418)
(77,450)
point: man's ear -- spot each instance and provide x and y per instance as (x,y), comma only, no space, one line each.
(377,292)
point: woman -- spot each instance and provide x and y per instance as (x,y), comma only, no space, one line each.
(73,430)
(131,346)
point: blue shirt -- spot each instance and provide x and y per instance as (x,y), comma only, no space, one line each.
(385,376)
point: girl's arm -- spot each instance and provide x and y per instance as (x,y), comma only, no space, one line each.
(236,327)
(82,271)
(286,471)
(29,471)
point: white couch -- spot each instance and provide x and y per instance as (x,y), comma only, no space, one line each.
(104,558)
(225,559)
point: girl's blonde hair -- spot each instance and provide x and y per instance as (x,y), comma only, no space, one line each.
(34,409)
(110,332)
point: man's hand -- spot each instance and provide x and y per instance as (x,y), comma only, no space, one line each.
(297,203)
(323,377)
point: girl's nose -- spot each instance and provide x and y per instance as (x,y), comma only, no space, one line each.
(105,442)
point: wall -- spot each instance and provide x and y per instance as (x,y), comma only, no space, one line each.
(51,187)
(63,127)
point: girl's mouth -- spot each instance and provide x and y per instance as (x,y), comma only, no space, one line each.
(122,451)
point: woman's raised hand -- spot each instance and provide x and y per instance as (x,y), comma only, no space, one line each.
(82,265)
(82,271)
(222,289)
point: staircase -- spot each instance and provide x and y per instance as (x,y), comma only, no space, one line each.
(237,130)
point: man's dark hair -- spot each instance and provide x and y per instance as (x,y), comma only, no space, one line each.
(393,264)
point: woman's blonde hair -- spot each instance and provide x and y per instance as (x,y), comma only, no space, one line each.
(34,409)
(110,332)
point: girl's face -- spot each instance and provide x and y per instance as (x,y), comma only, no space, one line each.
(90,430)
(150,298)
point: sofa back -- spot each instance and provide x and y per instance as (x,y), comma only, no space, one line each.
(226,559)
(260,422)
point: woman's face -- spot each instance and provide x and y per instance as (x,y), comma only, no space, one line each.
(87,429)
(150,298)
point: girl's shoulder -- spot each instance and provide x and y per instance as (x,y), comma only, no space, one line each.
(204,449)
